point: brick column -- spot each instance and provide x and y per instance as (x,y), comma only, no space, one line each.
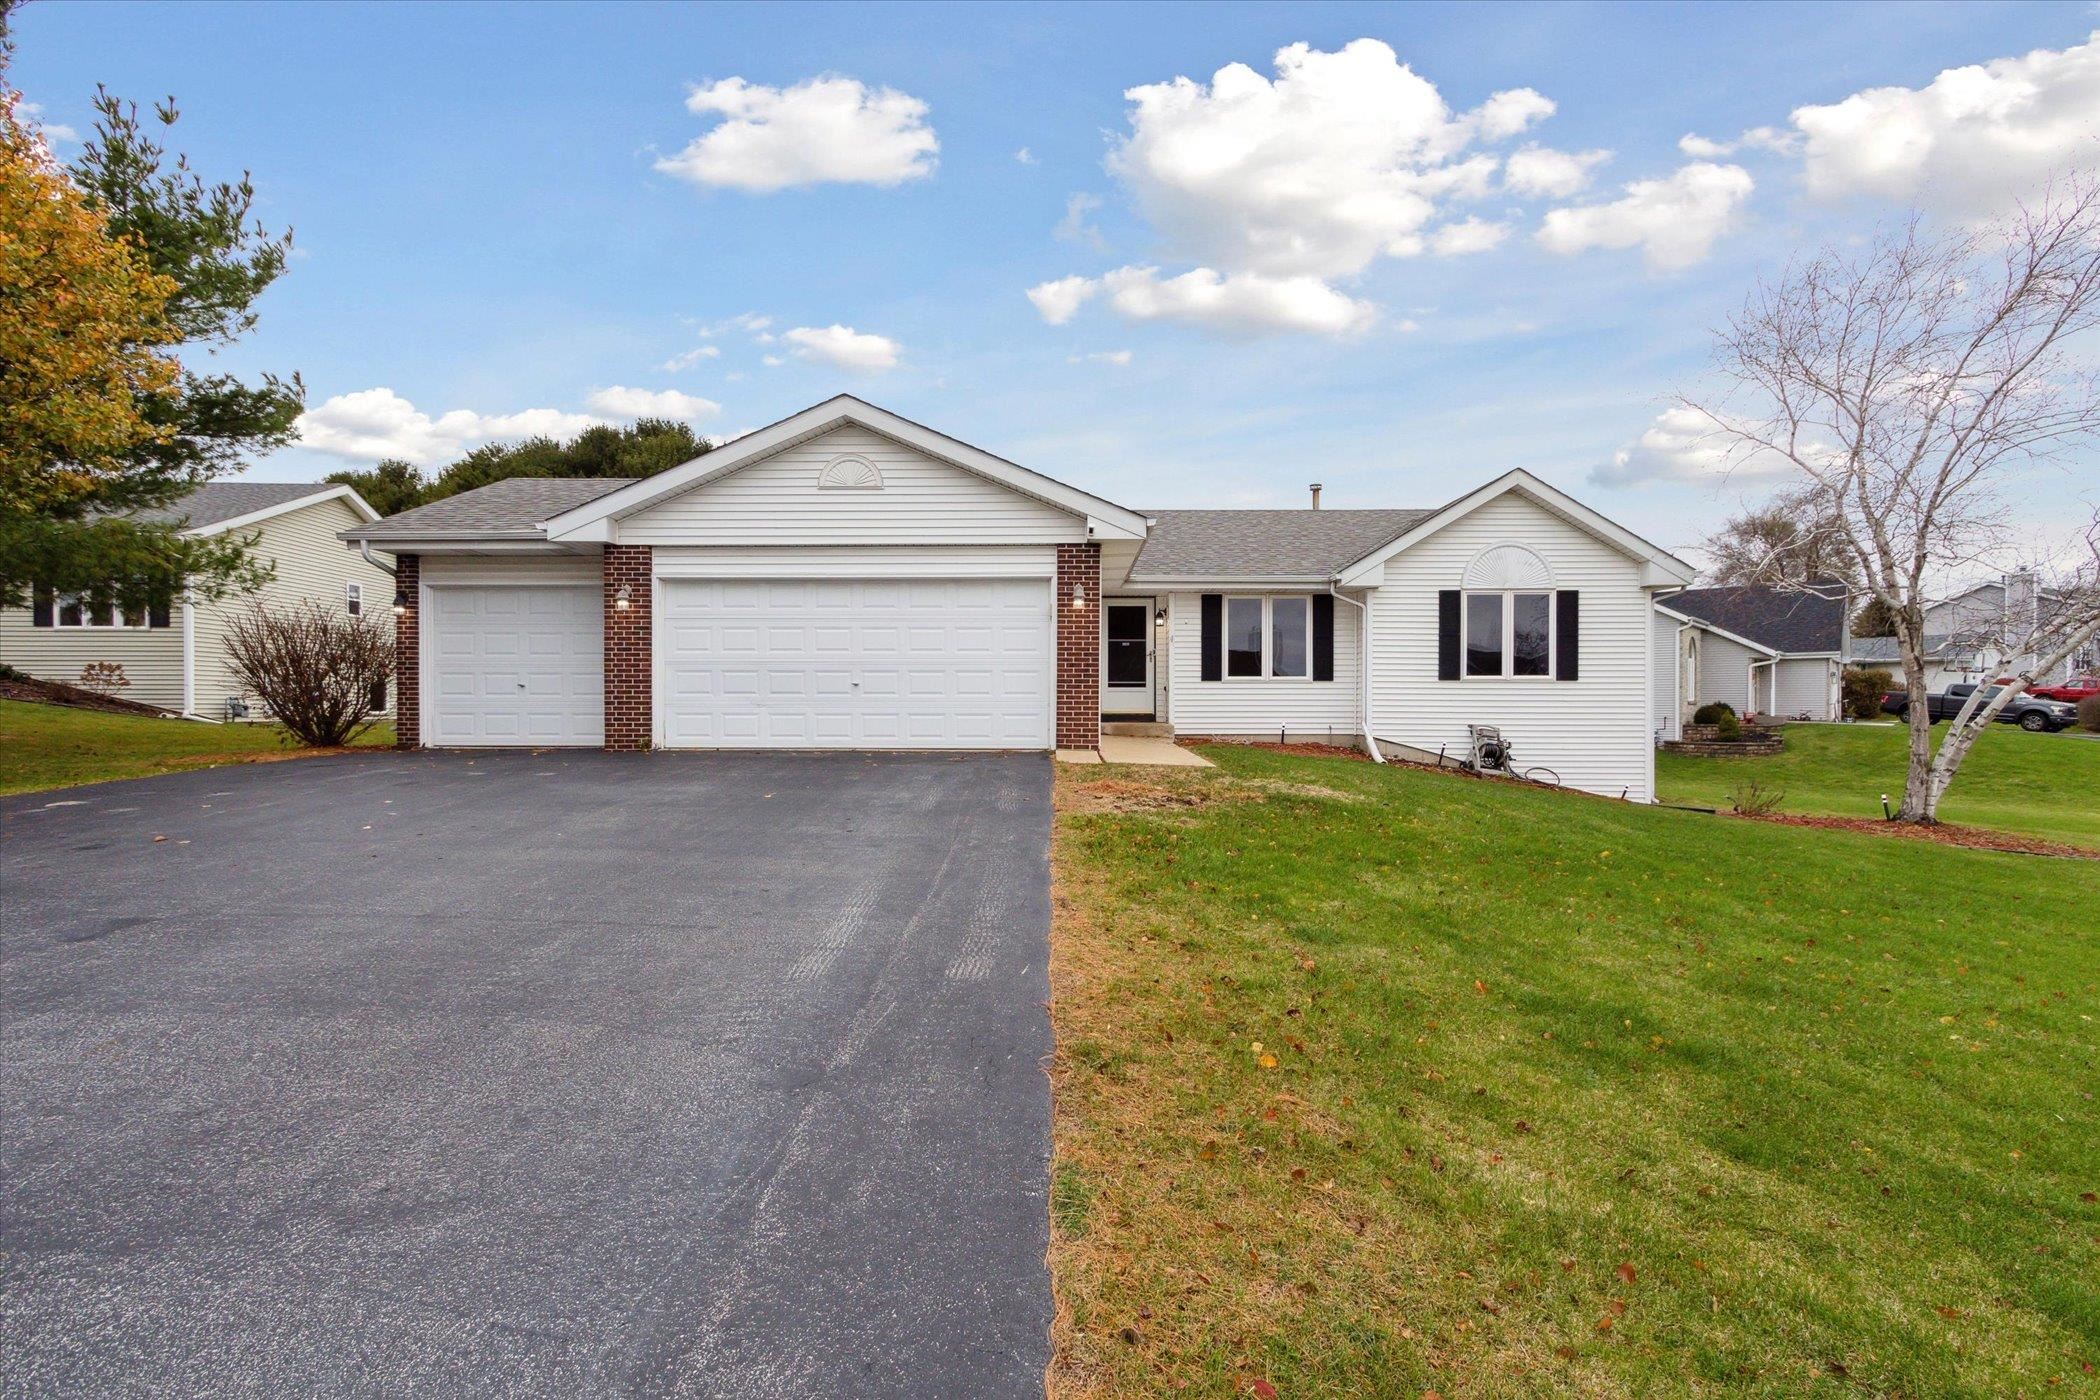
(627,648)
(1079,646)
(408,654)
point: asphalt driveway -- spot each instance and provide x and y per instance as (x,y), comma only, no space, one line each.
(528,1074)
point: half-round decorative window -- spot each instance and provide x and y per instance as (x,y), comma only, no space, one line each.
(1507,566)
(849,474)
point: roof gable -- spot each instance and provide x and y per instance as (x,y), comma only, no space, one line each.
(219,506)
(597,519)
(1297,544)
(510,508)
(1660,567)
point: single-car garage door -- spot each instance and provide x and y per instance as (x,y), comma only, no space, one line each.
(515,664)
(952,663)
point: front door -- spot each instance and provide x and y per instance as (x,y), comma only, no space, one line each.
(1126,661)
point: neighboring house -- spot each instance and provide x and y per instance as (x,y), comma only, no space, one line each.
(1776,652)
(175,657)
(1972,635)
(847,578)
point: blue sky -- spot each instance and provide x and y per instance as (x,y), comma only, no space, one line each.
(501,216)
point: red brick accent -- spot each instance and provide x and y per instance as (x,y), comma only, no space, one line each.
(627,648)
(1079,646)
(408,654)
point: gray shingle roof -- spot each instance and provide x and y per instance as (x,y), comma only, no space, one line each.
(512,506)
(1885,648)
(224,500)
(1786,620)
(1253,544)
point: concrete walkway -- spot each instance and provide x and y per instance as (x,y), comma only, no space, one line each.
(1154,753)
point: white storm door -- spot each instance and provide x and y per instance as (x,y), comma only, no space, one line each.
(940,663)
(514,665)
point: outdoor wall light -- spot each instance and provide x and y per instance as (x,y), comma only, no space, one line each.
(1078,595)
(623,598)
(401,602)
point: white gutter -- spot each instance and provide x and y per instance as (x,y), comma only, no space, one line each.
(364,547)
(1363,666)
(189,658)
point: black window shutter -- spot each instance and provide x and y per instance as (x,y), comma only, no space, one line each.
(1567,634)
(157,614)
(1447,634)
(40,608)
(1214,636)
(1323,636)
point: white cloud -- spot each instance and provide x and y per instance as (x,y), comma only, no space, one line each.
(827,130)
(1673,221)
(369,424)
(1968,142)
(1684,444)
(1025,156)
(1074,227)
(1243,303)
(32,114)
(1550,174)
(1101,357)
(620,401)
(1757,138)
(1058,301)
(1468,236)
(772,361)
(1340,159)
(843,346)
(686,359)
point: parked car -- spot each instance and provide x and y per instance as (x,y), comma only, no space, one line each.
(2036,716)
(2070,692)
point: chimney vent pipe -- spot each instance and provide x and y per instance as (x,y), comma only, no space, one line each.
(1316,495)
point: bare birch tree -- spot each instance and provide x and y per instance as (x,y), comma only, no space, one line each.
(1914,386)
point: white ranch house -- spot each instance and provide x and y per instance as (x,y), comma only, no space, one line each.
(847,578)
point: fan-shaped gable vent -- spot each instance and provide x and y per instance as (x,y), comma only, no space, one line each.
(1508,566)
(849,474)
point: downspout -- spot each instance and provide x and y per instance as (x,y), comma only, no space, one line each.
(189,658)
(364,547)
(1363,662)
(1677,690)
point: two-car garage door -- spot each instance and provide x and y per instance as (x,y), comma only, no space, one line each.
(799,663)
(939,663)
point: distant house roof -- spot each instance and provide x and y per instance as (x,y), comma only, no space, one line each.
(514,506)
(1257,544)
(216,502)
(1937,646)
(1789,621)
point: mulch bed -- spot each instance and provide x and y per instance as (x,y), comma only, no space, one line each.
(38,692)
(1973,837)
(1300,750)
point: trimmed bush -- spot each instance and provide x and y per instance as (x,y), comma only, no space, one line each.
(2089,714)
(1863,688)
(1728,728)
(1711,712)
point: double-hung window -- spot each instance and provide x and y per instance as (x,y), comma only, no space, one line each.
(1268,637)
(1509,634)
(72,610)
(354,599)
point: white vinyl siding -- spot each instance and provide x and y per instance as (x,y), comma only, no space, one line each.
(1259,706)
(523,568)
(312,564)
(1724,673)
(777,501)
(152,659)
(1668,650)
(1805,686)
(1594,732)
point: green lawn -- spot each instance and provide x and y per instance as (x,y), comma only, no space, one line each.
(1372,1081)
(52,746)
(2036,784)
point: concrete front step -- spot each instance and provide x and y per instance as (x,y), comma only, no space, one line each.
(1137,728)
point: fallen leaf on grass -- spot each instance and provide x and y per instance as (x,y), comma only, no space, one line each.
(1267,1062)
(1604,1324)
(1625,1273)
(1264,1390)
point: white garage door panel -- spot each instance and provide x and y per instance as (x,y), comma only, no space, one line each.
(516,665)
(908,663)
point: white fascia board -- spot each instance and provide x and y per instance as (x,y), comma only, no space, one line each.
(1703,625)
(1105,519)
(346,494)
(1362,573)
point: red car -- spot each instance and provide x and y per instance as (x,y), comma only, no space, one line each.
(2070,692)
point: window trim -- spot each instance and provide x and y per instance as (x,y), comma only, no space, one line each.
(115,610)
(354,599)
(1509,598)
(1268,638)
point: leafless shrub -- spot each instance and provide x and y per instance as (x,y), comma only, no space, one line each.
(1751,798)
(104,677)
(315,668)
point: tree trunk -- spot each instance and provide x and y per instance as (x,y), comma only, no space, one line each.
(1919,799)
